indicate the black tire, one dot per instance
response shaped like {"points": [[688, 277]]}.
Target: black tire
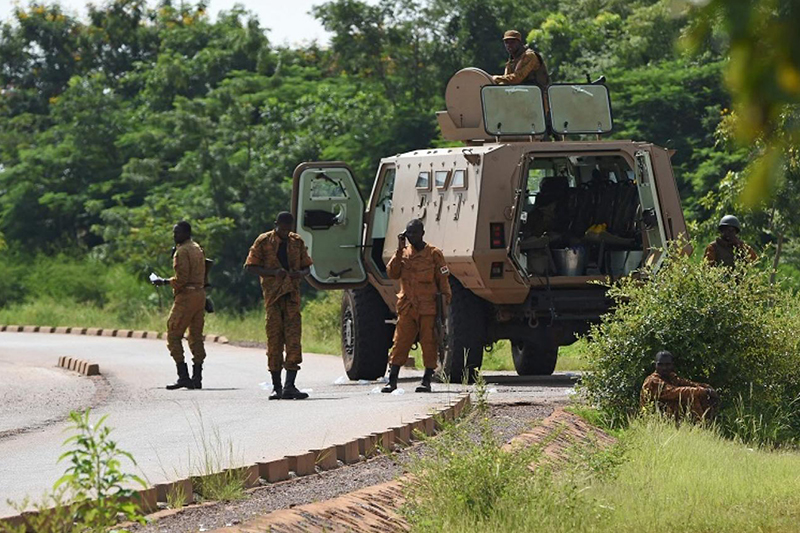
{"points": [[534, 360], [366, 337], [466, 333]]}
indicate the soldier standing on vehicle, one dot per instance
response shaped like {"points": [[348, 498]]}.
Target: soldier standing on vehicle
{"points": [[524, 66], [728, 247], [188, 287], [675, 395], [423, 275], [280, 258]]}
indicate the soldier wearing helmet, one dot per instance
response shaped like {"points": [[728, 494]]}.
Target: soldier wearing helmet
{"points": [[728, 247], [524, 66]]}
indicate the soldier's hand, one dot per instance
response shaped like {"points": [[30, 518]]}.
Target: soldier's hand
{"points": [[295, 274], [281, 274]]}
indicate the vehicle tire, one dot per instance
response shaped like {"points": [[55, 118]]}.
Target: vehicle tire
{"points": [[534, 359], [366, 337], [466, 333]]}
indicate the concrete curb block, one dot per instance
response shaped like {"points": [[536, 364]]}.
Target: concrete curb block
{"points": [[302, 464], [347, 453], [402, 435], [182, 487], [249, 474], [274, 471], [101, 332], [325, 458], [79, 365]]}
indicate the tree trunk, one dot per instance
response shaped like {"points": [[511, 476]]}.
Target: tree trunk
{"points": [[776, 259]]}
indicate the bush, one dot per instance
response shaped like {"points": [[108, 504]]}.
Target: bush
{"points": [[93, 494], [726, 327]]}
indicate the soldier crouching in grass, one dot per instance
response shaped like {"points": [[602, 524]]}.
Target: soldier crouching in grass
{"points": [[188, 309], [280, 258], [676, 396]]}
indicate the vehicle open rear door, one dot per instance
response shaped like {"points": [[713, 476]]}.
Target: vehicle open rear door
{"points": [[652, 220], [518, 218], [329, 213]]}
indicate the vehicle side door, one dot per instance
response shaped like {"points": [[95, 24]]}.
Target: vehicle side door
{"points": [[329, 213]]}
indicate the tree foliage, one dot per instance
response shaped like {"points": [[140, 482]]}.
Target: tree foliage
{"points": [[114, 127]]}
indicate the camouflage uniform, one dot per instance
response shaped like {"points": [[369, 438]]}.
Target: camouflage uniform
{"points": [[422, 274], [721, 252], [281, 298], [528, 68], [676, 395], [188, 310]]}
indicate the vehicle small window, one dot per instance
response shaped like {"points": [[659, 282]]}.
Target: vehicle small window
{"points": [[424, 180], [459, 180], [440, 177], [324, 187]]}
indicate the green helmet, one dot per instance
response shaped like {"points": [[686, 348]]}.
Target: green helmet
{"points": [[732, 221]]}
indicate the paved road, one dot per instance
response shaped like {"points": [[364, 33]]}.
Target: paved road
{"points": [[166, 430]]}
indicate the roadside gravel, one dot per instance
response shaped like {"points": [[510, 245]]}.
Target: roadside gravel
{"points": [[507, 420]]}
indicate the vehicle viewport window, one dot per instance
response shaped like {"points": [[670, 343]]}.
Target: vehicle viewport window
{"points": [[325, 187], [440, 177], [459, 180], [424, 180]]}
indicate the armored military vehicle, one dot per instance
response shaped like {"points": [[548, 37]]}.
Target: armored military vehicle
{"points": [[533, 207]]}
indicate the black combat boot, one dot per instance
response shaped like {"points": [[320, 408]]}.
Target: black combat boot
{"points": [[394, 373], [425, 386], [277, 386], [184, 382], [290, 392], [197, 375]]}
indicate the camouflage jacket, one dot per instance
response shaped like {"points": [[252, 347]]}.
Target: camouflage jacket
{"points": [[264, 253], [720, 252], [189, 263], [423, 274]]}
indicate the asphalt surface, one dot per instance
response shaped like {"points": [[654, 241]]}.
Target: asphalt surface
{"points": [[172, 433]]}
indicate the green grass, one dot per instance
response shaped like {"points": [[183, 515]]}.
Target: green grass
{"points": [[320, 320], [658, 478], [570, 358]]}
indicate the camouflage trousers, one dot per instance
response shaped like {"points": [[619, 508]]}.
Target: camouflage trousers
{"points": [[284, 331], [188, 312], [410, 326]]}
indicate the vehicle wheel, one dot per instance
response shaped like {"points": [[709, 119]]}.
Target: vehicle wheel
{"points": [[366, 337], [534, 359], [466, 333]]}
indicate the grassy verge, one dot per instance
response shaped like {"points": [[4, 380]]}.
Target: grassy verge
{"points": [[320, 319], [659, 478]]}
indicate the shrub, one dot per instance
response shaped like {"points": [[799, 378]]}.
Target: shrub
{"points": [[726, 327], [93, 494]]}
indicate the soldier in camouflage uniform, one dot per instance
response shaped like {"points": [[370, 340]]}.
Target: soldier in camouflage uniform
{"points": [[281, 260], [188, 309], [423, 274], [524, 66], [728, 248], [676, 396]]}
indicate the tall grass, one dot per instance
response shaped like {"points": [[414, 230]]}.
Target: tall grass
{"points": [[659, 478]]}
